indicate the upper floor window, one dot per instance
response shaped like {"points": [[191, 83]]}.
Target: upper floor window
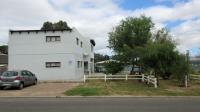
{"points": [[81, 44], [92, 48], [77, 41], [53, 38]]}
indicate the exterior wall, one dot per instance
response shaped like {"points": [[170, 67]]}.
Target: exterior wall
{"points": [[30, 51], [88, 54]]}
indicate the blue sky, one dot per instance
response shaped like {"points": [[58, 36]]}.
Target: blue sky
{"points": [[136, 4], [95, 18]]}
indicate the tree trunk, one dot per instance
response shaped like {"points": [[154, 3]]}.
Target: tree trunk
{"points": [[156, 75]]}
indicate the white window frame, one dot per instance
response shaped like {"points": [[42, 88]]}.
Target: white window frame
{"points": [[77, 41], [53, 64], [53, 38]]}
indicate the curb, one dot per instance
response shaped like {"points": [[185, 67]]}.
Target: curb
{"points": [[100, 97]]}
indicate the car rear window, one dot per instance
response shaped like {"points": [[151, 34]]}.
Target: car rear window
{"points": [[9, 74]]}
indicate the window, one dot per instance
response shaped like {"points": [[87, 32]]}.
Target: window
{"points": [[78, 64], [9, 74], [24, 73], [53, 38], [29, 73], [53, 64], [77, 41], [81, 44], [81, 64], [91, 48]]}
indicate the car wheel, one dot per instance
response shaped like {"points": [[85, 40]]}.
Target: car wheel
{"points": [[35, 82], [21, 86], [1, 88]]}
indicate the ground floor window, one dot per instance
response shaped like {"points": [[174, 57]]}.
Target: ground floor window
{"points": [[78, 64], [53, 64]]}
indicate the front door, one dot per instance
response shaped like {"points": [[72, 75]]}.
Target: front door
{"points": [[86, 71]]}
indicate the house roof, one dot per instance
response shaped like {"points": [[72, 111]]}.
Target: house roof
{"points": [[20, 31], [3, 59]]}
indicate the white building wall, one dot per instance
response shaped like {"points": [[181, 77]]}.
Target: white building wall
{"points": [[30, 51]]}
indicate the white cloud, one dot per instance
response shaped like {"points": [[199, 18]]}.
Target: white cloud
{"points": [[188, 34], [94, 18]]}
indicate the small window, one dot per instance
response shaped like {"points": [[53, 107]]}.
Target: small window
{"points": [[78, 64], [81, 44], [92, 48], [53, 38], [53, 64], [77, 41], [58, 39]]}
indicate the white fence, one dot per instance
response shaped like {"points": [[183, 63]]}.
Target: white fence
{"points": [[195, 77], [144, 78], [191, 77]]}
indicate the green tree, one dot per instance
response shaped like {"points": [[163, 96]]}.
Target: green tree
{"points": [[113, 67], [61, 25], [180, 68], [99, 57], [163, 59], [47, 26], [160, 54], [129, 39]]}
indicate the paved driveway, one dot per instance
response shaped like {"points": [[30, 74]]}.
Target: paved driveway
{"points": [[41, 89]]}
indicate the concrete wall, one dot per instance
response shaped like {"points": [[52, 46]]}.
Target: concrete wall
{"points": [[30, 51]]}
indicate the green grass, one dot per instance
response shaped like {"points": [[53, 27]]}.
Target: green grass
{"points": [[85, 91], [133, 88]]}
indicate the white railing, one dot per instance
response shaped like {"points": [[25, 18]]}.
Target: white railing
{"points": [[144, 78], [196, 77], [150, 80]]}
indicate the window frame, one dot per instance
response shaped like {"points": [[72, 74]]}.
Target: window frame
{"points": [[81, 44], [53, 38], [77, 41], [52, 64], [92, 48]]}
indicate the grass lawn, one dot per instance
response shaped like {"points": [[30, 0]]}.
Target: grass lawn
{"points": [[133, 88]]}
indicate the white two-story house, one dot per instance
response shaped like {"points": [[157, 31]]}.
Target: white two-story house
{"points": [[51, 54]]}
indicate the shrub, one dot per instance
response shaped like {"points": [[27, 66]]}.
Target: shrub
{"points": [[113, 67]]}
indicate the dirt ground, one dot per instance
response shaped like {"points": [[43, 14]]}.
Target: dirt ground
{"points": [[41, 89]]}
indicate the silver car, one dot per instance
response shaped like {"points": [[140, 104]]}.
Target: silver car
{"points": [[18, 78]]}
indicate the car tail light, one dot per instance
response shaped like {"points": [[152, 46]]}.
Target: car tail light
{"points": [[18, 78]]}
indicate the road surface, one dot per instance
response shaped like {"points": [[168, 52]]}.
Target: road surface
{"points": [[100, 104]]}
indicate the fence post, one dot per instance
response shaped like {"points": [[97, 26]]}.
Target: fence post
{"points": [[126, 77], [142, 77], [186, 81], [148, 79], [84, 78], [155, 83], [105, 78]]}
